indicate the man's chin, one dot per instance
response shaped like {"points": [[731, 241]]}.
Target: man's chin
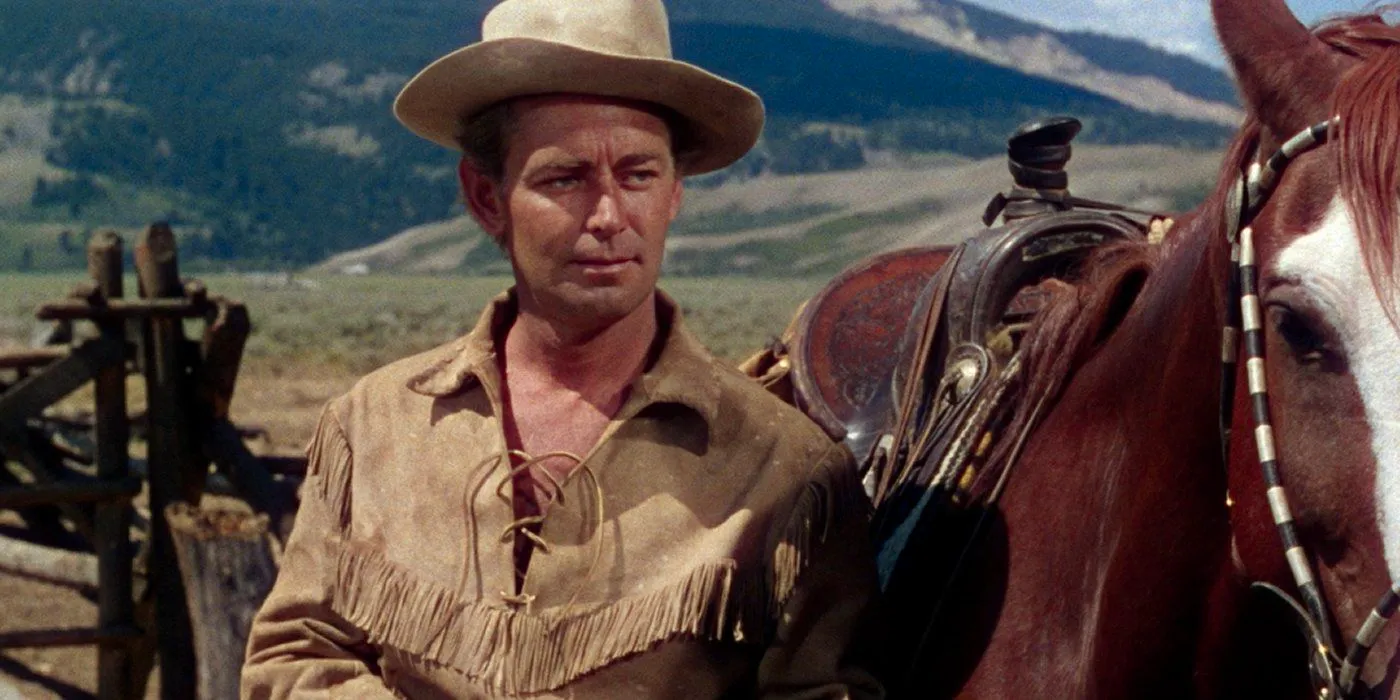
{"points": [[599, 306]]}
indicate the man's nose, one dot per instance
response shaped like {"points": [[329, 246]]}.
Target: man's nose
{"points": [[606, 218]]}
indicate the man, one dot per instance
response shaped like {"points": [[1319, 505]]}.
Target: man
{"points": [[574, 500]]}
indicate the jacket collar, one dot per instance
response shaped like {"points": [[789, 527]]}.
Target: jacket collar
{"points": [[684, 372]]}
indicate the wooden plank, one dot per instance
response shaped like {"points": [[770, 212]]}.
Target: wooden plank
{"points": [[174, 476], [116, 310], [222, 353], [33, 452], [228, 569], [104, 259], [157, 264], [31, 358], [86, 491], [32, 395], [44, 523], [67, 637], [56, 566], [63, 451], [79, 422], [250, 476], [111, 438]]}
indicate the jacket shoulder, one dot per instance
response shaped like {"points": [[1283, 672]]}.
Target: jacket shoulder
{"points": [[747, 411], [391, 386]]}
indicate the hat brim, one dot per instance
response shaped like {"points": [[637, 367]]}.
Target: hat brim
{"points": [[724, 118]]}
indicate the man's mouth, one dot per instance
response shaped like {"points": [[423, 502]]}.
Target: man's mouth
{"points": [[605, 265]]}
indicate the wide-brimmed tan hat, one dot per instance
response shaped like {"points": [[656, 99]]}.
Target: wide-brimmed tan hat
{"points": [[612, 48]]}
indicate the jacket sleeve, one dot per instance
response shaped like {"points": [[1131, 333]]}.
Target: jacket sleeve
{"points": [[824, 579], [298, 646]]}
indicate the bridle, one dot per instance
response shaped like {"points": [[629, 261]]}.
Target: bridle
{"points": [[1332, 677]]}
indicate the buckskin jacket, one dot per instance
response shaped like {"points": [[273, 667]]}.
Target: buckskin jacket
{"points": [[713, 545]]}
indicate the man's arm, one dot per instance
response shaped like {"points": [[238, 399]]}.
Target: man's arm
{"points": [[298, 646], [827, 545]]}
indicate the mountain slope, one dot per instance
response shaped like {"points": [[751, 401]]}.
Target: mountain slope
{"points": [[803, 225], [262, 127], [1126, 71]]}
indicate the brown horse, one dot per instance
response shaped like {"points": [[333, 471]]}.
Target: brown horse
{"points": [[1119, 559]]}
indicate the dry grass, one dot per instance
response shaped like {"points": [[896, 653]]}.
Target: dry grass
{"points": [[313, 336]]}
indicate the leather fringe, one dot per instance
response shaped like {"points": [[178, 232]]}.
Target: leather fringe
{"points": [[519, 653], [515, 652], [835, 495], [328, 468]]}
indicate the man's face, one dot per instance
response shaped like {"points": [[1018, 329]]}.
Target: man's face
{"points": [[588, 191]]}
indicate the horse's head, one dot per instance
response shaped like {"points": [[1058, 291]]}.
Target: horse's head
{"points": [[1326, 246]]}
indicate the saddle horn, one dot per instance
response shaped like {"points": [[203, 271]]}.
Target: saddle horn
{"points": [[1036, 155]]}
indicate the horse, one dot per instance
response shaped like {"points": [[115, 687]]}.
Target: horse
{"points": [[1154, 508]]}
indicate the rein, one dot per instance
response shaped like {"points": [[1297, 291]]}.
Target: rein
{"points": [[1332, 677]]}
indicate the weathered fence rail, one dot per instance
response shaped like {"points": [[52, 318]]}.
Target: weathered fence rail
{"points": [[64, 473], [77, 570]]}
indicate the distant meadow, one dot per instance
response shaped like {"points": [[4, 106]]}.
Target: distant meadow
{"points": [[353, 324]]}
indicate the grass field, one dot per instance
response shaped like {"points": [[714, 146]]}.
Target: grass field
{"points": [[358, 323], [314, 335]]}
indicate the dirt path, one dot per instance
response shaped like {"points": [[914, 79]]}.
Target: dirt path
{"points": [[64, 672]]}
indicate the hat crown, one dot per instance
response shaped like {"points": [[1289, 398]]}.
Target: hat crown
{"points": [[621, 27], [617, 49]]}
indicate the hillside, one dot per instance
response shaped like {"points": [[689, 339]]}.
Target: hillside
{"points": [[815, 224], [1124, 70], [261, 128]]}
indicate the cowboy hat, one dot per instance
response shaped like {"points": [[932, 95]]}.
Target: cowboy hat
{"points": [[612, 48]]}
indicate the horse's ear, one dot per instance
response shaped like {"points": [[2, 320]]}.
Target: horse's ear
{"points": [[1285, 74]]}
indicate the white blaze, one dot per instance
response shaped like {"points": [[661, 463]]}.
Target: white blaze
{"points": [[1328, 263]]}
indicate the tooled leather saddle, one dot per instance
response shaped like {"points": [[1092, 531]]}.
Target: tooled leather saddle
{"points": [[911, 358], [908, 357]]}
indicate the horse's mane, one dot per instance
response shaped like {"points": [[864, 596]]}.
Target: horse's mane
{"points": [[1079, 317], [1368, 153]]}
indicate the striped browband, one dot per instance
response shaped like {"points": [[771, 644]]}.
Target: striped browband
{"points": [[1333, 678]]}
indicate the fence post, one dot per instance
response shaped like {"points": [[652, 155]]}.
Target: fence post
{"points": [[171, 475], [112, 521], [228, 569]]}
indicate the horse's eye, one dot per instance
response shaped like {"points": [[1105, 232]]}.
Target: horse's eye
{"points": [[1308, 338]]}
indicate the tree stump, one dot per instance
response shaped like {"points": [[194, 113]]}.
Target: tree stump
{"points": [[227, 566]]}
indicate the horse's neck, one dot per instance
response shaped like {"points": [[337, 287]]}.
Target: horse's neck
{"points": [[1116, 512]]}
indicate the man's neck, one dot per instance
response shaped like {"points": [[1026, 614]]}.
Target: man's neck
{"points": [[594, 363]]}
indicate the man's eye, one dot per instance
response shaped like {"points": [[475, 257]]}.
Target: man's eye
{"points": [[641, 177], [562, 182]]}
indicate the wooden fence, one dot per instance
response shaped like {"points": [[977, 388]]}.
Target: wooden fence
{"points": [[67, 474]]}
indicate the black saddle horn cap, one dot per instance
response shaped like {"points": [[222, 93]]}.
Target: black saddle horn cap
{"points": [[1037, 154], [1054, 131]]}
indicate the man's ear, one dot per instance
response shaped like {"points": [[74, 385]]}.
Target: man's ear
{"points": [[484, 198]]}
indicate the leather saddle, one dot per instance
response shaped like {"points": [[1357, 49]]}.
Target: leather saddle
{"points": [[912, 359], [900, 355]]}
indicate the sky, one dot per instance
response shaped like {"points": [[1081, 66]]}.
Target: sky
{"points": [[1182, 26]]}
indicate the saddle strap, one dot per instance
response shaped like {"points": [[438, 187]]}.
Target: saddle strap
{"points": [[882, 458]]}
